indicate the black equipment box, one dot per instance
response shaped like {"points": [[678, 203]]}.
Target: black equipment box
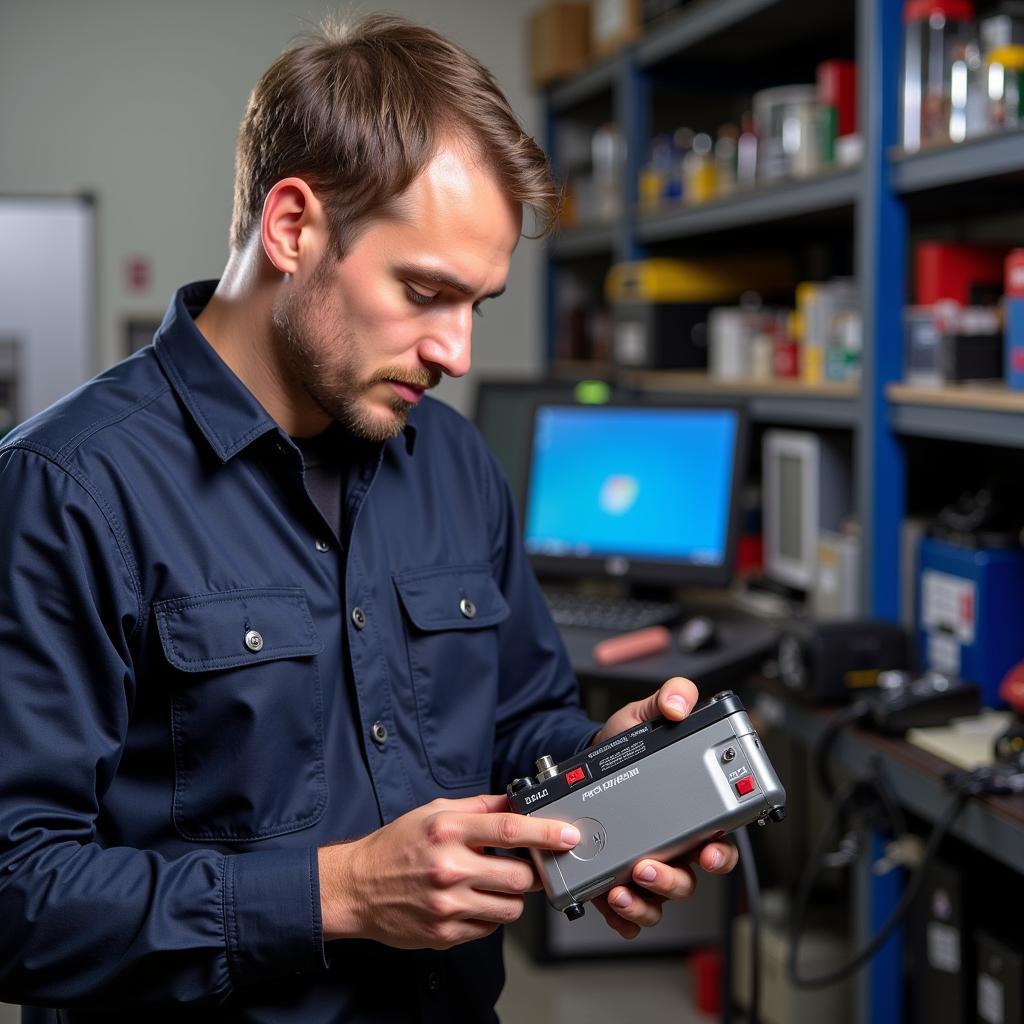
{"points": [[661, 335], [943, 975], [1000, 981], [828, 662]]}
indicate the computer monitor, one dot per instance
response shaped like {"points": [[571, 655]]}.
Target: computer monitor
{"points": [[504, 415], [805, 490], [643, 491]]}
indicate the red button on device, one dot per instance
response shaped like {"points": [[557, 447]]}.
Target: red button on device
{"points": [[576, 775], [746, 785]]}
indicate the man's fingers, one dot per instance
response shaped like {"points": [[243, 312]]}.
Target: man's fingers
{"points": [[485, 803], [641, 910], [676, 698], [718, 858], [625, 928], [503, 830], [672, 882]]}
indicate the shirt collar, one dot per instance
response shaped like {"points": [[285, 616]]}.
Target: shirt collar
{"points": [[225, 410]]}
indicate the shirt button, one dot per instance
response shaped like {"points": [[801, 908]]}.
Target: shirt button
{"points": [[322, 545], [379, 732], [253, 640], [467, 608], [433, 981], [358, 617]]}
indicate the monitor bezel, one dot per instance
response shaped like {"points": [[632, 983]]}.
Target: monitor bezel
{"points": [[643, 572]]}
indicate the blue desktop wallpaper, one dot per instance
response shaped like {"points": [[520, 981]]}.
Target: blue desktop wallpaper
{"points": [[643, 483]]}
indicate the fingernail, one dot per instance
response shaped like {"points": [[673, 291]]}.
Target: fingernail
{"points": [[648, 874], [570, 835], [679, 704], [716, 859], [622, 899]]}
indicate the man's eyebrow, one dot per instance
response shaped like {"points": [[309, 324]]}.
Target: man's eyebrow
{"points": [[439, 277]]}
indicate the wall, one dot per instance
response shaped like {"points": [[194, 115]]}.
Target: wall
{"points": [[139, 103]]}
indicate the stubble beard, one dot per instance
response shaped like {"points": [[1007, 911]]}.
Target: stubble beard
{"points": [[334, 385]]}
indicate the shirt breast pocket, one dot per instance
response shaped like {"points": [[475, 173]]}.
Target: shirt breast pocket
{"points": [[246, 713], [451, 615]]}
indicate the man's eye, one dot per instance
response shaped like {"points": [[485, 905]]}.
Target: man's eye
{"points": [[419, 298]]}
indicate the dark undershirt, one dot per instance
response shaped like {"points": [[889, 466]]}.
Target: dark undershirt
{"points": [[326, 459]]}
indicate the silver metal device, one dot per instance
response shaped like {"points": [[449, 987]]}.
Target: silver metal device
{"points": [[656, 790]]}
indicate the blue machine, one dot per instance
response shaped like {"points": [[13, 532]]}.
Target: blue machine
{"points": [[970, 612]]}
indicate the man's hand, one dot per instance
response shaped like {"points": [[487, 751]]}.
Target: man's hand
{"points": [[424, 880], [629, 908]]}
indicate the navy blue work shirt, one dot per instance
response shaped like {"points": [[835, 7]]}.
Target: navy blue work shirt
{"points": [[201, 684]]}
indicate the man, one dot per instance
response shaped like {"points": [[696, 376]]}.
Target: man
{"points": [[267, 630]]}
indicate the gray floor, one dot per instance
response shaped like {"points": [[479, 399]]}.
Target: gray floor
{"points": [[651, 990]]}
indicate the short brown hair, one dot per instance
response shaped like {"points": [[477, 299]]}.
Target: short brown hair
{"points": [[357, 111]]}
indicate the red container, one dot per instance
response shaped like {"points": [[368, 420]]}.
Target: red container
{"points": [[707, 980], [971, 275], [837, 87], [1014, 284]]}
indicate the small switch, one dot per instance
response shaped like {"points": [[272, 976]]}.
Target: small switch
{"points": [[574, 776], [746, 785]]}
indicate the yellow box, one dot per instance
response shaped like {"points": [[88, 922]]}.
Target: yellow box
{"points": [[710, 280], [559, 41]]}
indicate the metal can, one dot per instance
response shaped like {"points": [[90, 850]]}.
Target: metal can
{"points": [[934, 32]]}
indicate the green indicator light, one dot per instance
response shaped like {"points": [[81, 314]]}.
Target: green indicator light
{"points": [[592, 392]]}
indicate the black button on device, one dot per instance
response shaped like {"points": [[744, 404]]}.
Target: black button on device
{"points": [[379, 732], [358, 617], [518, 785]]}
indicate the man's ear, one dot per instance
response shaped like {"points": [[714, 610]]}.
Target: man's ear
{"points": [[292, 216]]}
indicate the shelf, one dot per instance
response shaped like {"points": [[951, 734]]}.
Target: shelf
{"points": [[586, 85], [587, 240], [697, 22], [994, 825], [830, 191], [744, 34], [776, 401], [960, 163], [982, 415]]}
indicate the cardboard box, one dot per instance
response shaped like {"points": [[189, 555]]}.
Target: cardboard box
{"points": [[613, 24], [559, 41]]}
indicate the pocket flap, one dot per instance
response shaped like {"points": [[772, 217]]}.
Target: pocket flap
{"points": [[236, 627], [452, 597]]}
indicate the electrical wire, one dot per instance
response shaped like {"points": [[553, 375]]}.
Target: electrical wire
{"points": [[822, 749], [862, 794], [949, 814], [753, 888]]}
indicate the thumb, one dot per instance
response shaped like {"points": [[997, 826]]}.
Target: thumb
{"points": [[675, 700]]}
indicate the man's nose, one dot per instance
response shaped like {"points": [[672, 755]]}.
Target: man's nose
{"points": [[449, 344]]}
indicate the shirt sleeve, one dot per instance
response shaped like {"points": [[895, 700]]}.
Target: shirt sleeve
{"points": [[85, 923], [538, 701]]}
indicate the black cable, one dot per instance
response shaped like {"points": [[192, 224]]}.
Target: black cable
{"points": [[823, 746], [939, 830], [753, 888]]}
